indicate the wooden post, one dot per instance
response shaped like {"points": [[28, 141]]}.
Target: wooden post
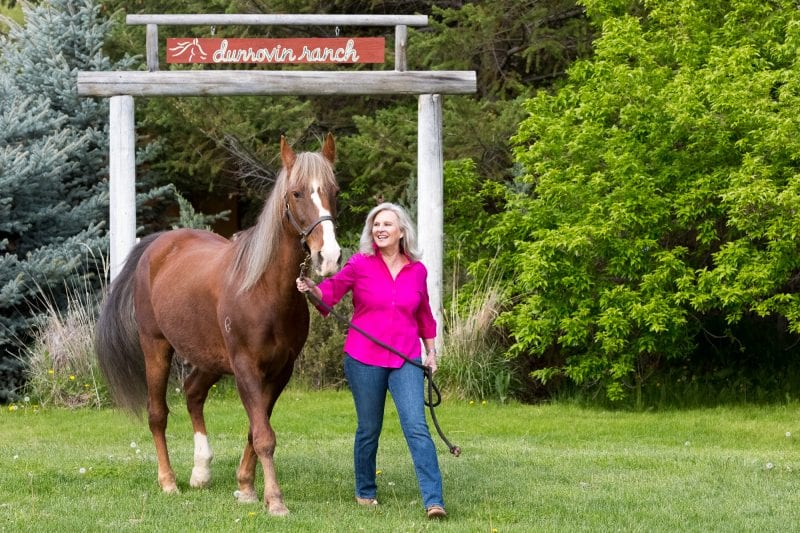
{"points": [[400, 44], [430, 199], [151, 47], [122, 181]]}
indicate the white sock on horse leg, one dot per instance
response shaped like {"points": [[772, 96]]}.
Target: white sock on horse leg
{"points": [[201, 473]]}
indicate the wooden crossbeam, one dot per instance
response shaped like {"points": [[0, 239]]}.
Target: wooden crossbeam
{"points": [[277, 20], [261, 82]]}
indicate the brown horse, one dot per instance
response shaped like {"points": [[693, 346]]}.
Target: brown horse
{"points": [[226, 307]]}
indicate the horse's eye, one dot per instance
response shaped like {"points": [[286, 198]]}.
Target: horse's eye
{"points": [[297, 194]]}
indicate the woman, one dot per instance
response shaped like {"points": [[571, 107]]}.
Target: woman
{"points": [[390, 300]]}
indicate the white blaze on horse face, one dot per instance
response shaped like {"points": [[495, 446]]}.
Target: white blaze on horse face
{"points": [[330, 250], [201, 472]]}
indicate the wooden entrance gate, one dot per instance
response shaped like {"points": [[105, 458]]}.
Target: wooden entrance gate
{"points": [[122, 86]]}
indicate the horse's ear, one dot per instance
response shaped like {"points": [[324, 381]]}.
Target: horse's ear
{"points": [[287, 154], [329, 149]]}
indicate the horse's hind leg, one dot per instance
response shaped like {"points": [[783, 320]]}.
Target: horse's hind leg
{"points": [[197, 385], [158, 359]]}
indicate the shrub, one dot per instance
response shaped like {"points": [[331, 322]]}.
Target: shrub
{"points": [[320, 363], [659, 196], [61, 365]]}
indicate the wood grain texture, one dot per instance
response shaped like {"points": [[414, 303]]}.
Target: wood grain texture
{"points": [[249, 83]]}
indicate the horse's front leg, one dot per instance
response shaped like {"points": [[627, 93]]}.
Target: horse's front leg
{"points": [[264, 446], [257, 398]]}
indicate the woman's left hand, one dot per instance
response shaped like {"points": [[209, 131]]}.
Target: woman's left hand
{"points": [[430, 361]]}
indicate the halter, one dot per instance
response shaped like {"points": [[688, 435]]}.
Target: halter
{"points": [[304, 233]]}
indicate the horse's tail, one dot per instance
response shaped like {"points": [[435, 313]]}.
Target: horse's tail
{"points": [[116, 338]]}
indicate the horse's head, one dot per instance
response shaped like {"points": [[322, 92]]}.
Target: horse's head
{"points": [[311, 202]]}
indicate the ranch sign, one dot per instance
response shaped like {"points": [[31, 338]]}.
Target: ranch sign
{"points": [[307, 50]]}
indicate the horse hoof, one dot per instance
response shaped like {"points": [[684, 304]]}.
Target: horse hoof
{"points": [[278, 509], [170, 489], [200, 479], [199, 484], [245, 496]]}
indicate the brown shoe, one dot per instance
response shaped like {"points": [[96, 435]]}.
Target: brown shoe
{"points": [[368, 502], [436, 511]]}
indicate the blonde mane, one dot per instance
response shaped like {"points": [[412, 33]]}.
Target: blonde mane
{"points": [[255, 249]]}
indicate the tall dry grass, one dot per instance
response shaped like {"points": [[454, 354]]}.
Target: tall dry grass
{"points": [[62, 367], [473, 364]]}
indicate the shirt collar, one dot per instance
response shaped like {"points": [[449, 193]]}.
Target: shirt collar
{"points": [[376, 252]]}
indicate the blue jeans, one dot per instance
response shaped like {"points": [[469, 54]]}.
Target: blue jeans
{"points": [[369, 385]]}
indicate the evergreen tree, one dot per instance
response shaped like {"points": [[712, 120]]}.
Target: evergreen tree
{"points": [[53, 168]]}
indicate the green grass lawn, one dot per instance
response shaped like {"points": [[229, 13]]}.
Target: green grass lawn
{"points": [[523, 468]]}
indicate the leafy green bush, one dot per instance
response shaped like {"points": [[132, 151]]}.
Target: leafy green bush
{"points": [[319, 365], [660, 193]]}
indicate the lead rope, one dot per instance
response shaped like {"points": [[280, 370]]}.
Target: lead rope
{"points": [[432, 388]]}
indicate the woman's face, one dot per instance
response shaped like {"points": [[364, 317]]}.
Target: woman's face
{"points": [[386, 231]]}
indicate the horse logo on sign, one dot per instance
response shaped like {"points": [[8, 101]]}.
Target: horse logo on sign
{"points": [[187, 50]]}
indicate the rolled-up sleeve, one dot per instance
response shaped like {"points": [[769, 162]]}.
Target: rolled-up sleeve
{"points": [[426, 324], [335, 287]]}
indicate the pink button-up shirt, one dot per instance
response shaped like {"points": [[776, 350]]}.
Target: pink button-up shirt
{"points": [[394, 311]]}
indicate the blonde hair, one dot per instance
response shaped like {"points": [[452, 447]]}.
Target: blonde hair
{"points": [[255, 248], [408, 243]]}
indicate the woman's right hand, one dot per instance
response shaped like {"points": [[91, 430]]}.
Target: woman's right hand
{"points": [[304, 284]]}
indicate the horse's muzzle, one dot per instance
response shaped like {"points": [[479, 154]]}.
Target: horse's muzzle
{"points": [[327, 260]]}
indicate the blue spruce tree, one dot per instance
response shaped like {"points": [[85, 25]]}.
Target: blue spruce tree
{"points": [[53, 168]]}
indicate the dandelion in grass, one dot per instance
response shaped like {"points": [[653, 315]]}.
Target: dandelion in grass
{"points": [[687, 443], [483, 402], [16, 457], [133, 444], [378, 472], [472, 402], [770, 466], [12, 408], [72, 377], [788, 434], [50, 372], [81, 470], [27, 399]]}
